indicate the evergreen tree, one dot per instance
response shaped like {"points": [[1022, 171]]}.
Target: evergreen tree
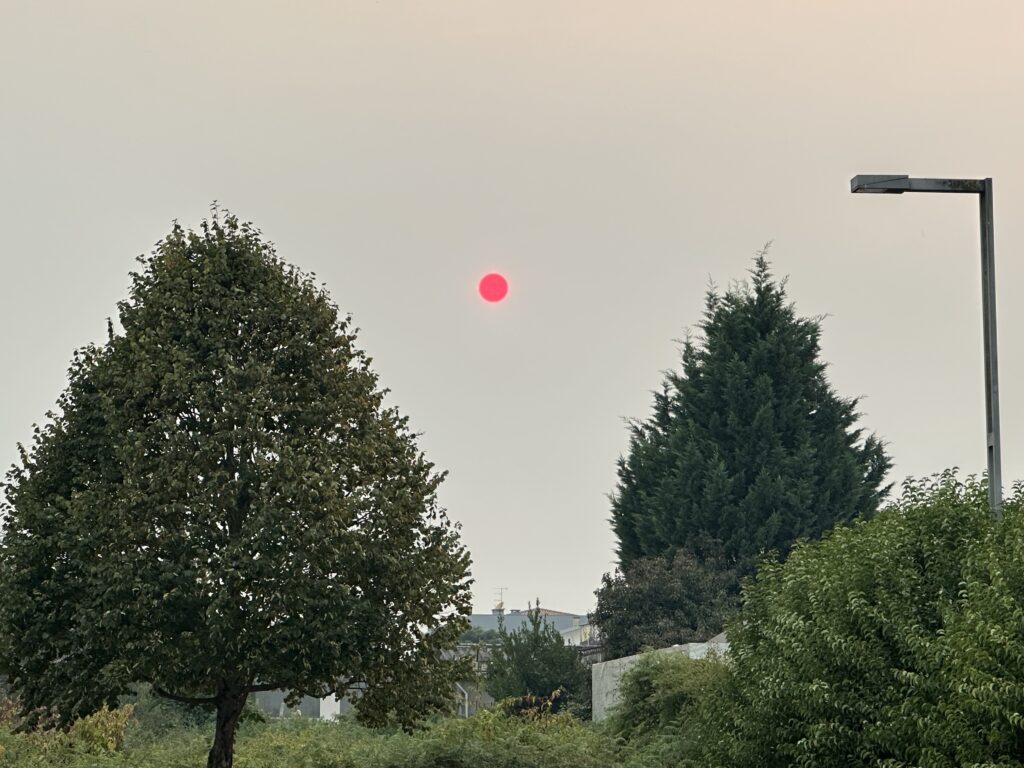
{"points": [[748, 448], [534, 660], [222, 504]]}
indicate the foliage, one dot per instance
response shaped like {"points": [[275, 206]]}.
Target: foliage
{"points": [[536, 706], [748, 448], [480, 635], [662, 692], [838, 654], [893, 643], [154, 716], [487, 740], [222, 503], [977, 715], [101, 733], [656, 603], [535, 660]]}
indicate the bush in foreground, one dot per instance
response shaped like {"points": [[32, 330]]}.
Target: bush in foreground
{"points": [[487, 740], [878, 645], [667, 702], [894, 643]]}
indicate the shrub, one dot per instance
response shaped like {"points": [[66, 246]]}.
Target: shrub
{"points": [[486, 740], [103, 731], [535, 706], [656, 602], [662, 690], [975, 714], [837, 653]]}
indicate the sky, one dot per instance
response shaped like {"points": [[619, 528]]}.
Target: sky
{"points": [[609, 158]]}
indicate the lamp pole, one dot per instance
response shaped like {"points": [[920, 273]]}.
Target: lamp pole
{"points": [[897, 185]]}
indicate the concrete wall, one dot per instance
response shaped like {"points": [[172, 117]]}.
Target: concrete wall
{"points": [[606, 676], [272, 703]]}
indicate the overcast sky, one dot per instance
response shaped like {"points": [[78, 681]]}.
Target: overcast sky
{"points": [[608, 157]]}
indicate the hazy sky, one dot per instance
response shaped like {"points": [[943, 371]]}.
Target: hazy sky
{"points": [[609, 157]]}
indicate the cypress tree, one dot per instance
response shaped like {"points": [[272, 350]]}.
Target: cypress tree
{"points": [[749, 447]]}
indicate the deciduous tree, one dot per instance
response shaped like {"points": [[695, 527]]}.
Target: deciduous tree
{"points": [[655, 603], [222, 503]]}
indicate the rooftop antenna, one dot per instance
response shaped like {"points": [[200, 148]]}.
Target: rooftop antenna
{"points": [[500, 592]]}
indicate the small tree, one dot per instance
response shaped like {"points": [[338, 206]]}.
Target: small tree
{"points": [[656, 603], [534, 660], [222, 504]]}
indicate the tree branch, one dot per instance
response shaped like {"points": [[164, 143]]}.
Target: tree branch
{"points": [[264, 687], [323, 695], [184, 699]]}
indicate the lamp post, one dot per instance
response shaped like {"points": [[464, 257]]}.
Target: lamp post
{"points": [[897, 185]]}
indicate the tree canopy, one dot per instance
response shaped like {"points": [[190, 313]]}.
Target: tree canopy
{"points": [[748, 448], [222, 503]]}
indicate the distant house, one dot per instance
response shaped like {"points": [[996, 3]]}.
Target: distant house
{"points": [[581, 634]]}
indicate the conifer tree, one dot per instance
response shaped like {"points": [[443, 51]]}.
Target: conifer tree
{"points": [[748, 448], [535, 660]]}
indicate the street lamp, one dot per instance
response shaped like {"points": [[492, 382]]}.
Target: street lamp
{"points": [[897, 185]]}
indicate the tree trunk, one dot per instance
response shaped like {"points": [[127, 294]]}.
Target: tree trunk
{"points": [[230, 702]]}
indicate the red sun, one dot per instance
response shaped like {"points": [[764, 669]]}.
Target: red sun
{"points": [[493, 287]]}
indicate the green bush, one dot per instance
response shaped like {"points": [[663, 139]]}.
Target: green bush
{"points": [[669, 705], [662, 691], [155, 716], [656, 602], [98, 735], [977, 715], [839, 654]]}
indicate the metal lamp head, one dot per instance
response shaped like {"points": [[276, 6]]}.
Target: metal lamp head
{"points": [[881, 185]]}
